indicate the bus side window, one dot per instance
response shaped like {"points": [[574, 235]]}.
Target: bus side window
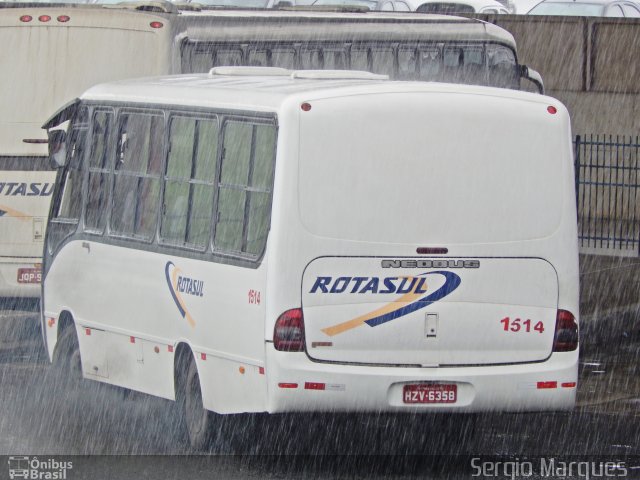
{"points": [[360, 58], [189, 181], [407, 63], [465, 64], [318, 57], [99, 171], [383, 61], [258, 57], [67, 205], [335, 58], [246, 178], [283, 57], [200, 59], [237, 144], [430, 63], [453, 64], [227, 57], [136, 186], [474, 68], [71, 203], [311, 58], [259, 209], [502, 67]]}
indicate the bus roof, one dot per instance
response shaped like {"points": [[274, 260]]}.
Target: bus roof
{"points": [[257, 26], [246, 88], [313, 13], [197, 21], [297, 22]]}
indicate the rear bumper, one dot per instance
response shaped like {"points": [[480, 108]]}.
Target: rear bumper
{"points": [[380, 389]]}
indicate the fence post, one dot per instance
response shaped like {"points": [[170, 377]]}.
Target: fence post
{"points": [[576, 171]]}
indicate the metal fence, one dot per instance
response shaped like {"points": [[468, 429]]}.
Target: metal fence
{"points": [[608, 193]]}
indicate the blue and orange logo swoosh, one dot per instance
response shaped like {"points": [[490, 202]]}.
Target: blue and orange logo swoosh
{"points": [[172, 272], [411, 302], [10, 212]]}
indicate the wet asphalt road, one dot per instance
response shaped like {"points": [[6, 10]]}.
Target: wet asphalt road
{"points": [[40, 417]]}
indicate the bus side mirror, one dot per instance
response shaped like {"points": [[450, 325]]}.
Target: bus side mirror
{"points": [[57, 148], [533, 76]]}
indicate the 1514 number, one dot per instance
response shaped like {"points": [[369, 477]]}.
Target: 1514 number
{"points": [[254, 297], [517, 325]]}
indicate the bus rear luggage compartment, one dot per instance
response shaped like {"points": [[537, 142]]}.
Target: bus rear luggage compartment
{"points": [[364, 310]]}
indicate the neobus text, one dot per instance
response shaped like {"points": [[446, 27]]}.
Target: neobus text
{"points": [[430, 263]]}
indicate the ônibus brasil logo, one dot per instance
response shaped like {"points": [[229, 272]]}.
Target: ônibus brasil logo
{"points": [[179, 284], [414, 290]]}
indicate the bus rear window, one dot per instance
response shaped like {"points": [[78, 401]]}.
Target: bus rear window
{"points": [[439, 168]]}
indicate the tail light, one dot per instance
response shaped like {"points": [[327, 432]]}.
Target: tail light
{"points": [[288, 334], [566, 336]]}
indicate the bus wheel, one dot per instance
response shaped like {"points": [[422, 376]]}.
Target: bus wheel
{"points": [[66, 356], [200, 423]]}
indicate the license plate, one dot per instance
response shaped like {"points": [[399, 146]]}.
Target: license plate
{"points": [[430, 393], [29, 275]]}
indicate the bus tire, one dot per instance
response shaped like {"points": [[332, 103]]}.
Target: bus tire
{"points": [[66, 355], [200, 423]]}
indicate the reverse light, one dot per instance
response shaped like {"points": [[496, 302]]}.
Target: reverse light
{"points": [[314, 386], [566, 336], [288, 334]]}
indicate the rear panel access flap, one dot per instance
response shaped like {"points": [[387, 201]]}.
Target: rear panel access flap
{"points": [[429, 311]]}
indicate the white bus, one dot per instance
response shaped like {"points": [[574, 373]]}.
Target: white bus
{"points": [[54, 52], [266, 240]]}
